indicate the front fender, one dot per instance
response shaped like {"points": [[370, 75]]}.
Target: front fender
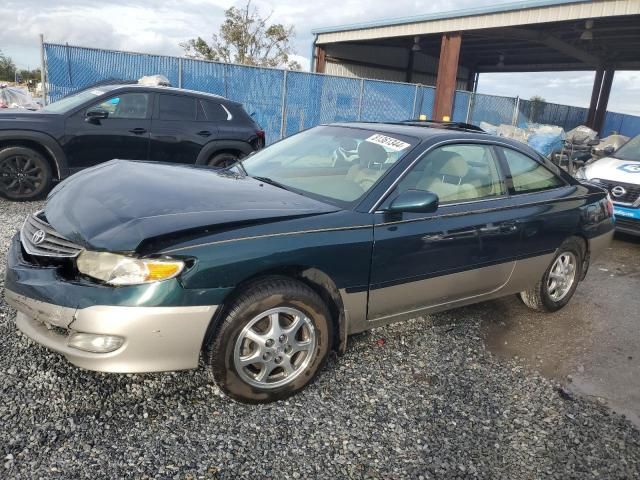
{"points": [[49, 143]]}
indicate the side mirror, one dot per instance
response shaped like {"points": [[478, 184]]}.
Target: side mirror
{"points": [[419, 201], [609, 149], [95, 115]]}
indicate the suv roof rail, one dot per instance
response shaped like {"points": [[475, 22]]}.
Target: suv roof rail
{"points": [[438, 124]]}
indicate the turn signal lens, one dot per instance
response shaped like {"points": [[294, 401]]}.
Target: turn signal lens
{"points": [[118, 269]]}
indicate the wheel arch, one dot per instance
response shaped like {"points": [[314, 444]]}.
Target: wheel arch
{"points": [[319, 281], [219, 146], [43, 144]]}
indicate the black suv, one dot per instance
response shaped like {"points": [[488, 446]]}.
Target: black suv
{"points": [[115, 121]]}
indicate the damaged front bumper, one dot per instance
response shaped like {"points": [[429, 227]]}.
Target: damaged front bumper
{"points": [[124, 330]]}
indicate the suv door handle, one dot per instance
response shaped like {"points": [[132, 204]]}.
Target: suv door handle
{"points": [[138, 131], [204, 133]]}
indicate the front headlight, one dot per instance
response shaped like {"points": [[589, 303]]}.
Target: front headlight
{"points": [[116, 269]]}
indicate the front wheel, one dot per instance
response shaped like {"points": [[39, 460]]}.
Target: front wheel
{"points": [[559, 282], [24, 174], [223, 160], [272, 342]]}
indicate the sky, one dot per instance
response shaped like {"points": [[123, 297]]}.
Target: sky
{"points": [[159, 26]]}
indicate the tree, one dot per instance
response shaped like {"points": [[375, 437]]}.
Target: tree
{"points": [[7, 68], [537, 107], [247, 38]]}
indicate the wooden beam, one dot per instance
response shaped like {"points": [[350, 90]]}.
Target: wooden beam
{"points": [[321, 60], [447, 75]]}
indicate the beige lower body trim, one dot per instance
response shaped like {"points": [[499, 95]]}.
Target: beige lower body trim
{"points": [[156, 338], [599, 244], [523, 274]]}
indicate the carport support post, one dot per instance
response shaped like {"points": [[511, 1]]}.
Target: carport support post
{"points": [[595, 95], [603, 101], [42, 72], [447, 75]]}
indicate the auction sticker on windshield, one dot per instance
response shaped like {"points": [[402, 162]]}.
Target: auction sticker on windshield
{"points": [[389, 142]]}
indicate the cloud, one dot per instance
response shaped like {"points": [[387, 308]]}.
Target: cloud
{"points": [[159, 26]]}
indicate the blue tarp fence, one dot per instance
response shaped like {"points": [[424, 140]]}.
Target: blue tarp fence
{"points": [[285, 102]]}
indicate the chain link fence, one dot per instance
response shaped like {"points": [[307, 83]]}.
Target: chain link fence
{"points": [[286, 102]]}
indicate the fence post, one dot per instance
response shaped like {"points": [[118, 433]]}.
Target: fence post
{"points": [[516, 111], [43, 76], [472, 97], [360, 99], [284, 104], [180, 72], [415, 102]]}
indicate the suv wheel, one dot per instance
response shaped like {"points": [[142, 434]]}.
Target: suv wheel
{"points": [[24, 173], [271, 343], [223, 160], [559, 282]]}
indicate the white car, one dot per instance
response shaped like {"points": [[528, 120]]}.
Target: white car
{"points": [[619, 173]]}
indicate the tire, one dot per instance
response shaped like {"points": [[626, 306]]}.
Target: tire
{"points": [[547, 296], [223, 160], [251, 315], [24, 174]]}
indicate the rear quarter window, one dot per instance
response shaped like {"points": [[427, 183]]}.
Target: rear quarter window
{"points": [[528, 175], [213, 111]]}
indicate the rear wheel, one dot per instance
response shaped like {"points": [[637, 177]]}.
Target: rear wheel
{"points": [[272, 341], [223, 160], [559, 282], [24, 173]]}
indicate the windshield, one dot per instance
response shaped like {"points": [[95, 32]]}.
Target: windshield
{"points": [[630, 150], [69, 103], [339, 164]]}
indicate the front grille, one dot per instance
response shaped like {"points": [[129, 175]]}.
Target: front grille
{"points": [[627, 224], [39, 239], [632, 192]]}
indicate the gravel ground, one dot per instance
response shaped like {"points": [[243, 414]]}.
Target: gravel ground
{"points": [[423, 399]]}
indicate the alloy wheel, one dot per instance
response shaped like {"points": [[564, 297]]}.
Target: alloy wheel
{"points": [[275, 347], [20, 175], [562, 276]]}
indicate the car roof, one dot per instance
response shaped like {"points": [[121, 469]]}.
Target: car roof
{"points": [[162, 89], [431, 132]]}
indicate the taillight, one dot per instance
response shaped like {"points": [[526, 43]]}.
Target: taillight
{"points": [[609, 206], [261, 138]]}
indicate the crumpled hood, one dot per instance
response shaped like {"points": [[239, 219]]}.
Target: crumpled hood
{"points": [[117, 205], [609, 168]]}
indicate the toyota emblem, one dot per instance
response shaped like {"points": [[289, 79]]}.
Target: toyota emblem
{"points": [[38, 237], [618, 191]]}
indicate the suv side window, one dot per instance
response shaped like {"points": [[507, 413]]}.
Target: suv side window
{"points": [[527, 174], [457, 173], [127, 105], [214, 111], [176, 107]]}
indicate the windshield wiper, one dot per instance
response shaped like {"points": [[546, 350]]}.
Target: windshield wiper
{"points": [[270, 181]]}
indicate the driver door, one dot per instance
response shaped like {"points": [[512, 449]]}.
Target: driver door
{"points": [[123, 134], [465, 249]]}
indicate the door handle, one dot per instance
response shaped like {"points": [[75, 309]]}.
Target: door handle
{"points": [[509, 227], [204, 133], [138, 131]]}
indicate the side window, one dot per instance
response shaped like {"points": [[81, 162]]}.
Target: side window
{"points": [[457, 173], [127, 105], [214, 111], [528, 175], [176, 107]]}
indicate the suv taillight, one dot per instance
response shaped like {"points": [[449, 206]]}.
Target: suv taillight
{"points": [[261, 138]]}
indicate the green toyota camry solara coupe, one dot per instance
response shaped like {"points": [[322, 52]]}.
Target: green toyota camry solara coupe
{"points": [[263, 268]]}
